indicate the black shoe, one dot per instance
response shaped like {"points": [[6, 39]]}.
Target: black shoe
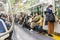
{"points": [[50, 35]]}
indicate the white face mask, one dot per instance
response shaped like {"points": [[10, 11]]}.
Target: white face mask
{"points": [[5, 18], [50, 8]]}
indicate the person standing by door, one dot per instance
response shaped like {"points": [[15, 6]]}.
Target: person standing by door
{"points": [[50, 19]]}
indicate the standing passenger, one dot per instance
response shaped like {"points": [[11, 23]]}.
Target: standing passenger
{"points": [[50, 19]]}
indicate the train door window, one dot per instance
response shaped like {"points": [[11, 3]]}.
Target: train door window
{"points": [[40, 10], [31, 11], [35, 9], [59, 13], [57, 5]]}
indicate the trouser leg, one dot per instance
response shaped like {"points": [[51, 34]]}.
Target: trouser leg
{"points": [[50, 27]]}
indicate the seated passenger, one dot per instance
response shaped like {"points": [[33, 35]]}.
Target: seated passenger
{"points": [[37, 24], [35, 20], [3, 17], [26, 23], [40, 22], [21, 19]]}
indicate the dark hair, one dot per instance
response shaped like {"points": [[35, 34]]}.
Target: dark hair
{"points": [[35, 12], [50, 6], [3, 15]]}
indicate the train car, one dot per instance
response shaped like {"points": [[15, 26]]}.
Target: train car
{"points": [[40, 8]]}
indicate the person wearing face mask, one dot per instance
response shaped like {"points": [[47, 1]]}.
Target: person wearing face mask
{"points": [[3, 17], [50, 20]]}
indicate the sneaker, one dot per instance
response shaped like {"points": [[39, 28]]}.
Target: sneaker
{"points": [[31, 30]]}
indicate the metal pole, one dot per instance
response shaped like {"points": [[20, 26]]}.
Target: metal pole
{"points": [[11, 11], [53, 1]]}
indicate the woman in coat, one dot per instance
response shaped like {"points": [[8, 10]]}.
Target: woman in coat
{"points": [[50, 15]]}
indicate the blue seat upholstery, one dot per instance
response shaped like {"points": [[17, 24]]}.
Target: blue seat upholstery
{"points": [[2, 29]]}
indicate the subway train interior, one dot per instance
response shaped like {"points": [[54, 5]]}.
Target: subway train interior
{"points": [[29, 19]]}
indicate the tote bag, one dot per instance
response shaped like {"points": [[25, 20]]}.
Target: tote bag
{"points": [[51, 18]]}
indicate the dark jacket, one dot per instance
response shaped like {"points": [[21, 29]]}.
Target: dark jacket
{"points": [[49, 15], [49, 11], [2, 29]]}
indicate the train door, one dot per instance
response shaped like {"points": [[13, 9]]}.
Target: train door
{"points": [[57, 23]]}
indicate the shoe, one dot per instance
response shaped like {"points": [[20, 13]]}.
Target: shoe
{"points": [[31, 30], [50, 35]]}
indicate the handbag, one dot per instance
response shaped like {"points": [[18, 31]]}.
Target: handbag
{"points": [[51, 18]]}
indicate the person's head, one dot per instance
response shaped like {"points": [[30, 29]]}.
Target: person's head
{"points": [[36, 14], [50, 6], [3, 15]]}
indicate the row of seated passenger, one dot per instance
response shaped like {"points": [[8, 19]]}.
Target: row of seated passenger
{"points": [[34, 23]]}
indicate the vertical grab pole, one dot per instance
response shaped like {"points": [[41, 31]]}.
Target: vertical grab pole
{"points": [[53, 1], [11, 11]]}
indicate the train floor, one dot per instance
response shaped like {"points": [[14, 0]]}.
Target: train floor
{"points": [[21, 33]]}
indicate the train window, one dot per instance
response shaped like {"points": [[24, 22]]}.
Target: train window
{"points": [[59, 13], [40, 9], [57, 5], [31, 11], [35, 9]]}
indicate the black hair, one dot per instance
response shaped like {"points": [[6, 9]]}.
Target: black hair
{"points": [[3, 15], [36, 12], [50, 6]]}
